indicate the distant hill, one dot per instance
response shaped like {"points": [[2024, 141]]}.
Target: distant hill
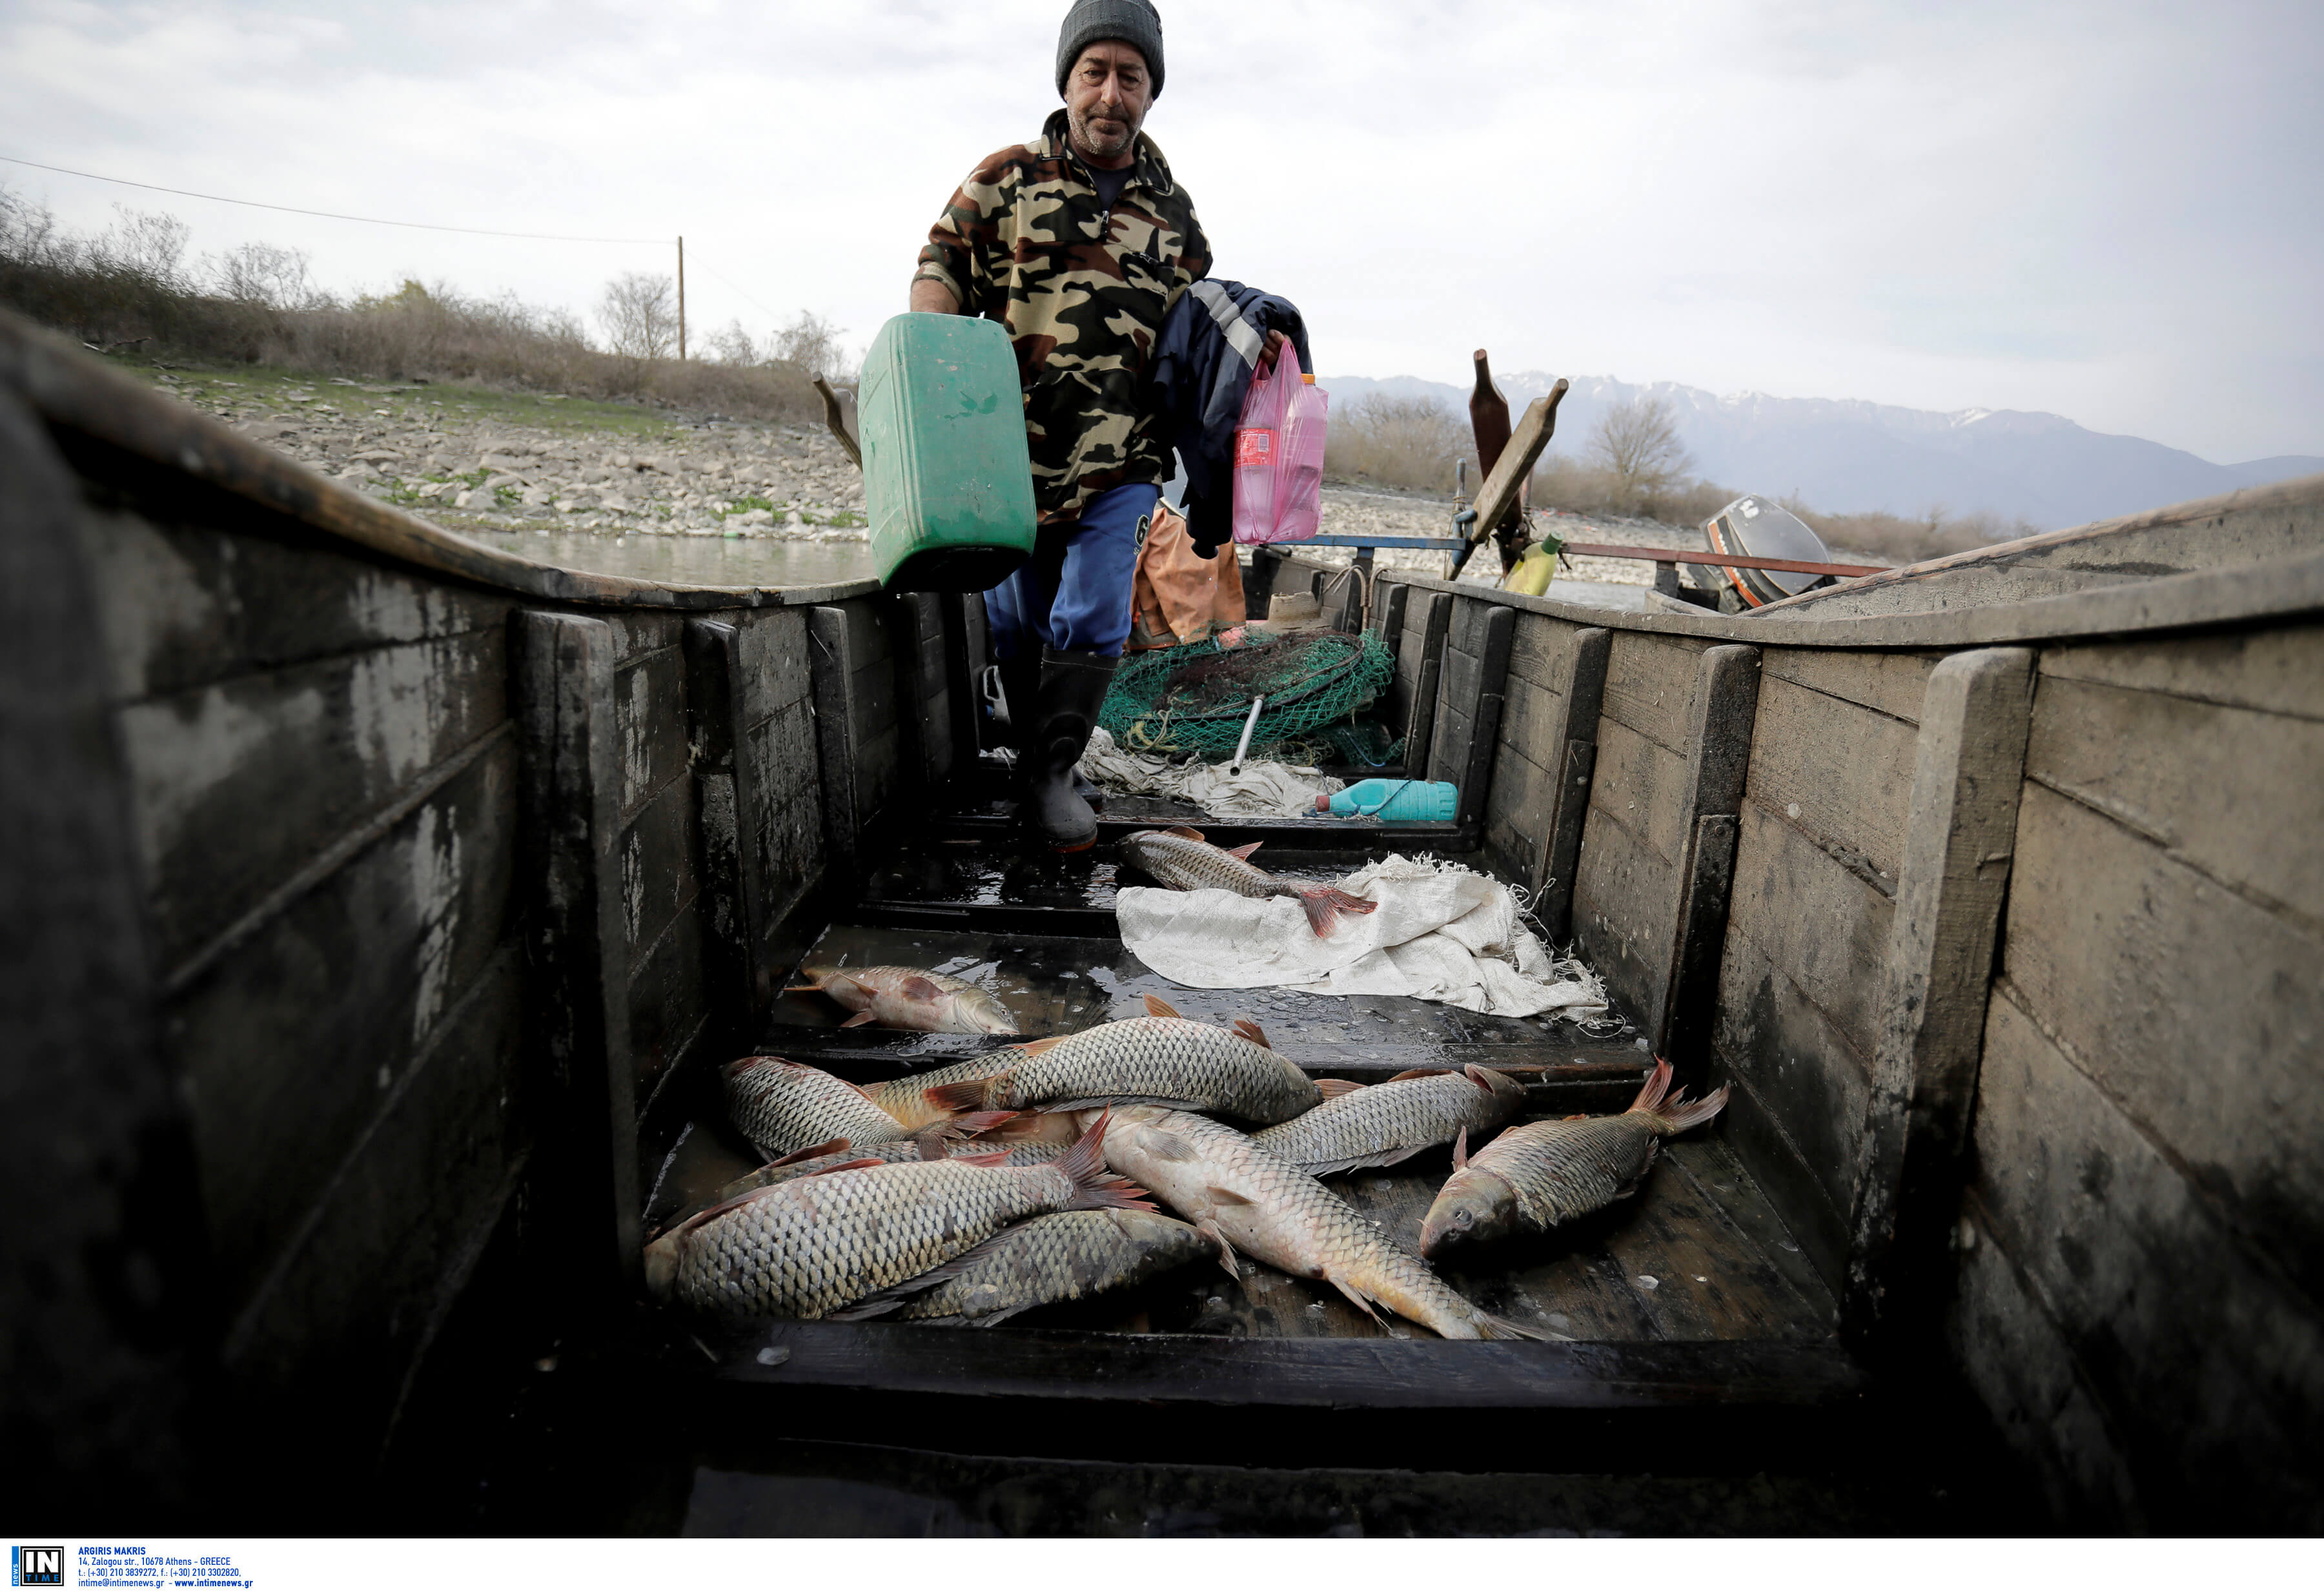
{"points": [[1847, 456]]}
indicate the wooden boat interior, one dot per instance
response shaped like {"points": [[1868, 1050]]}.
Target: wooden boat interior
{"points": [[387, 904]]}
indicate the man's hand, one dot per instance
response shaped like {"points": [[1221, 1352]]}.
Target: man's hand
{"points": [[1275, 342], [930, 296]]}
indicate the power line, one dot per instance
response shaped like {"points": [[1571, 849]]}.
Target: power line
{"points": [[539, 237], [730, 282]]}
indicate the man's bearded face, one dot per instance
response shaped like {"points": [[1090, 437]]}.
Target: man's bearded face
{"points": [[1107, 95]]}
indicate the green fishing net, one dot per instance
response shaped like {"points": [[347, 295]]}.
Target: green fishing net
{"points": [[1177, 700]]}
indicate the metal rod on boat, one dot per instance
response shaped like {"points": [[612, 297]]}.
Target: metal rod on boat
{"points": [[1249, 725]]}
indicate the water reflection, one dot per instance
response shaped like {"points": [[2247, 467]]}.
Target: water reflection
{"points": [[686, 560]]}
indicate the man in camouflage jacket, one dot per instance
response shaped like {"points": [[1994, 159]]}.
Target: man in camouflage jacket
{"points": [[1079, 243]]}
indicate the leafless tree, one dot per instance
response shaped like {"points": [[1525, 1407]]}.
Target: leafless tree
{"points": [[639, 314], [812, 344], [264, 275], [1636, 443]]}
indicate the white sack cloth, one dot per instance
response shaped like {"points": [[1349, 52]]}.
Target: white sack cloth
{"points": [[1440, 932], [1262, 790]]}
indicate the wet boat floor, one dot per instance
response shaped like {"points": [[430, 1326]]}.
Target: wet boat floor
{"points": [[1699, 1255]]}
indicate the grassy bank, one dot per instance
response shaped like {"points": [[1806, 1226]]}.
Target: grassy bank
{"points": [[132, 290]]}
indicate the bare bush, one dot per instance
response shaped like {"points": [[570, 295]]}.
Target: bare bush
{"points": [[812, 344], [262, 275], [1408, 442], [638, 312], [1636, 443], [734, 345]]}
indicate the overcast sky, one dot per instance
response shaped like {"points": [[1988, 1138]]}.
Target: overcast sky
{"points": [[2112, 211]]}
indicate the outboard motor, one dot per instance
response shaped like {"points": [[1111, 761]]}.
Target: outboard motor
{"points": [[1755, 528]]}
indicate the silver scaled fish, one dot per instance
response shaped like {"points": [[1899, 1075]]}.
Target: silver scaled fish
{"points": [[1182, 859], [926, 1146], [909, 998], [805, 1249], [1394, 1121], [1067, 1254], [1539, 1174], [1245, 1199], [782, 1107], [1160, 1060]]}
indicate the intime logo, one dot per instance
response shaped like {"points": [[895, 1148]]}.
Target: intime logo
{"points": [[36, 1567]]}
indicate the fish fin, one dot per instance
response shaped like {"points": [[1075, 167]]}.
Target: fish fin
{"points": [[1492, 1326], [1226, 1196], [1358, 1163], [994, 1318], [1332, 1089], [1217, 1235], [1420, 1073], [1361, 1301], [1460, 1150], [916, 987], [802, 988], [1155, 1006], [1680, 1113], [1170, 1146], [995, 1158], [1577, 1116], [1244, 852], [1322, 905], [931, 1142], [1095, 1188], [1189, 831], [1657, 1084], [830, 1147], [858, 1020], [969, 1096], [896, 1293], [976, 1122], [1480, 1078], [843, 1166], [1249, 1028], [1033, 1047]]}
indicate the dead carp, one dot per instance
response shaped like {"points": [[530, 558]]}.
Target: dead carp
{"points": [[906, 1099], [926, 1147], [1161, 1059], [804, 1249], [1066, 1254], [1182, 859], [909, 998], [1244, 1198], [1541, 1173], [782, 1107], [1389, 1122]]}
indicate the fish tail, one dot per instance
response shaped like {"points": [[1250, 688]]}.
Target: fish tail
{"points": [[1322, 905], [970, 1095], [1095, 1189], [1680, 1113], [1657, 1085]]}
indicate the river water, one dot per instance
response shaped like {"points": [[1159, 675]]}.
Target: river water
{"points": [[688, 560]]}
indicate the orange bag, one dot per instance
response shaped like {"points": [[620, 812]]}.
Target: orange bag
{"points": [[1179, 596]]}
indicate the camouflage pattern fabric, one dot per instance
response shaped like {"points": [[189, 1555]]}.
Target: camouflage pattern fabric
{"points": [[1083, 290]]}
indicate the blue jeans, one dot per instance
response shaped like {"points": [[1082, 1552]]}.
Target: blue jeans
{"points": [[1074, 593]]}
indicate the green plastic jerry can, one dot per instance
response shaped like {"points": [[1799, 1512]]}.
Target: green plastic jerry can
{"points": [[947, 482]]}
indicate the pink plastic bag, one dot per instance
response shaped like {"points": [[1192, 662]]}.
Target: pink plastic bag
{"points": [[1278, 472]]}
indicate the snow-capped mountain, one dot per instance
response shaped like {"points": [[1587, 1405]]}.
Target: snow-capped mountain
{"points": [[1845, 455]]}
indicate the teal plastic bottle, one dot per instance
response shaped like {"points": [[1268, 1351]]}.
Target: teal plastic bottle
{"points": [[947, 482], [1395, 801]]}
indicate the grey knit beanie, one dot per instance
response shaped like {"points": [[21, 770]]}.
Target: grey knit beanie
{"points": [[1133, 21]]}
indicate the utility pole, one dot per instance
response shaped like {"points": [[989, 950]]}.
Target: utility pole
{"points": [[681, 299]]}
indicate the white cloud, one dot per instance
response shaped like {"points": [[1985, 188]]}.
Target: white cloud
{"points": [[2109, 211]]}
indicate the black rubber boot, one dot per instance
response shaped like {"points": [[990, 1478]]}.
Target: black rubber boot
{"points": [[1073, 689], [1020, 683]]}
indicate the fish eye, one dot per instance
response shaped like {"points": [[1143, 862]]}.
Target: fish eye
{"points": [[1465, 1216]]}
